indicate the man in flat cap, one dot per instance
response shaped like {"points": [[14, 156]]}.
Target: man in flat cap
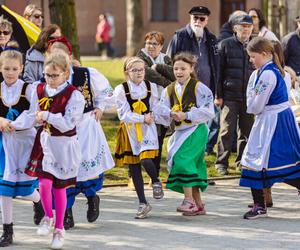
{"points": [[235, 70], [199, 41], [291, 46]]}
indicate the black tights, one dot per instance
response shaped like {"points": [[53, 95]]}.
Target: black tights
{"points": [[137, 177], [258, 194]]}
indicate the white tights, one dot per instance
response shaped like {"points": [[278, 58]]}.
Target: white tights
{"points": [[7, 205]]}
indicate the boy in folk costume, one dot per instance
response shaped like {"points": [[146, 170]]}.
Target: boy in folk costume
{"points": [[95, 153]]}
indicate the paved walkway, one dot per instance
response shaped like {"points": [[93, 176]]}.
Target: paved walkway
{"points": [[221, 228]]}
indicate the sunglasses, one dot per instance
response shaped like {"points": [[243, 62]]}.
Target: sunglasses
{"points": [[254, 17], [201, 18], [4, 33], [38, 16]]}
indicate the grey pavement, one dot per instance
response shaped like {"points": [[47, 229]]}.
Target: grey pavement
{"points": [[222, 227]]}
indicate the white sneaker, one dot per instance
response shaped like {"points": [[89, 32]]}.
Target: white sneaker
{"points": [[45, 226], [58, 238]]}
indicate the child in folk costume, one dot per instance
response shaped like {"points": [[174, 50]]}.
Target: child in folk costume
{"points": [[15, 145], [95, 154], [190, 104], [56, 154], [137, 141], [272, 153]]}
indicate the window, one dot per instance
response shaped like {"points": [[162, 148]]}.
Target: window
{"points": [[229, 6], [164, 10]]}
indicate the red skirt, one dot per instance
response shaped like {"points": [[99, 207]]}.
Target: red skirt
{"points": [[35, 169]]}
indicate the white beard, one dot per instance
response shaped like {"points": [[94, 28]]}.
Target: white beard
{"points": [[198, 31]]}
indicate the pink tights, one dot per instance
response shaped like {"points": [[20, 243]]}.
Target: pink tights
{"points": [[60, 201]]}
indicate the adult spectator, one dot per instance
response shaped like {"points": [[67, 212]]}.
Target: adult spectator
{"points": [[102, 36], [196, 39], [35, 56], [226, 30], [291, 46], [159, 70], [34, 14], [235, 70], [112, 32], [259, 25]]}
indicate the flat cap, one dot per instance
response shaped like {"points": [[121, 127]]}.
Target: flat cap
{"points": [[199, 10], [244, 19]]}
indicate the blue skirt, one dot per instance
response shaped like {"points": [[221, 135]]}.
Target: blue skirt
{"points": [[284, 159]]}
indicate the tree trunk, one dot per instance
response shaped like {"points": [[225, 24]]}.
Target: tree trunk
{"points": [[134, 26], [62, 13]]}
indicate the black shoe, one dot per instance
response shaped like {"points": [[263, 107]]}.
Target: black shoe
{"points": [[7, 235], [93, 208], [38, 212], [256, 212], [211, 182], [68, 220]]}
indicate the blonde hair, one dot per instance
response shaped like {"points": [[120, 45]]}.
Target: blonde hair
{"points": [[58, 60], [11, 53], [29, 9], [60, 46], [4, 23], [130, 61], [260, 45]]}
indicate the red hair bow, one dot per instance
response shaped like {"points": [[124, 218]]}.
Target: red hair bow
{"points": [[63, 40]]}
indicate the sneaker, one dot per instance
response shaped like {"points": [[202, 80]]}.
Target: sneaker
{"points": [[58, 239], [38, 212], [93, 208], [255, 212], [68, 219], [143, 210], [186, 206], [195, 211], [45, 226], [222, 171], [158, 192]]}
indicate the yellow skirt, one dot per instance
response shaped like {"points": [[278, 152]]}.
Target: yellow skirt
{"points": [[123, 153]]}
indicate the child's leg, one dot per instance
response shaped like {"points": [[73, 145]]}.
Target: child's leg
{"points": [[60, 202], [45, 186], [6, 209], [197, 196], [35, 197], [136, 174], [258, 197], [188, 193], [150, 168]]}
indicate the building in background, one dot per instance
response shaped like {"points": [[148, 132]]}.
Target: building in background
{"points": [[163, 15]]}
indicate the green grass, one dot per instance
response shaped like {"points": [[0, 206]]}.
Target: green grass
{"points": [[112, 70]]}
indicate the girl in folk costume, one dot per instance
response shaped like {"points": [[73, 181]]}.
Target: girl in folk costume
{"points": [[95, 154], [137, 142], [15, 145], [56, 156], [272, 153], [190, 104]]}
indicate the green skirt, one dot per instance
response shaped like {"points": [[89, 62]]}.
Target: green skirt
{"points": [[189, 167]]}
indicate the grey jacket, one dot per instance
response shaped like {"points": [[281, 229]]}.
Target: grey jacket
{"points": [[34, 63]]}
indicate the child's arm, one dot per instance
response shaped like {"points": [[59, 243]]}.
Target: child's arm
{"points": [[27, 120], [73, 114], [205, 106], [124, 112], [162, 111], [258, 94]]}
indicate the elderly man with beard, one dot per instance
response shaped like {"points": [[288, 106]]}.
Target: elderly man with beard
{"points": [[196, 39], [235, 70]]}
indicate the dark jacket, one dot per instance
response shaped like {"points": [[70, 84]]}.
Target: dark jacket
{"points": [[235, 70], [225, 31], [291, 46], [185, 40], [163, 75]]}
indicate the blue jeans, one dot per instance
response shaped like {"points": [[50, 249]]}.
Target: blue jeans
{"points": [[213, 126]]}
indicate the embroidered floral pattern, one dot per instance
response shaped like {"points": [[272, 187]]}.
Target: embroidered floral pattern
{"points": [[261, 87], [92, 163]]}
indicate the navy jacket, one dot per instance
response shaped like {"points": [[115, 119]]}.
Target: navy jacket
{"points": [[291, 46], [184, 40]]}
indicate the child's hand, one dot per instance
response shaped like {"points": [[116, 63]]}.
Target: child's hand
{"points": [[148, 118], [6, 126], [39, 117], [179, 116], [98, 114]]}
